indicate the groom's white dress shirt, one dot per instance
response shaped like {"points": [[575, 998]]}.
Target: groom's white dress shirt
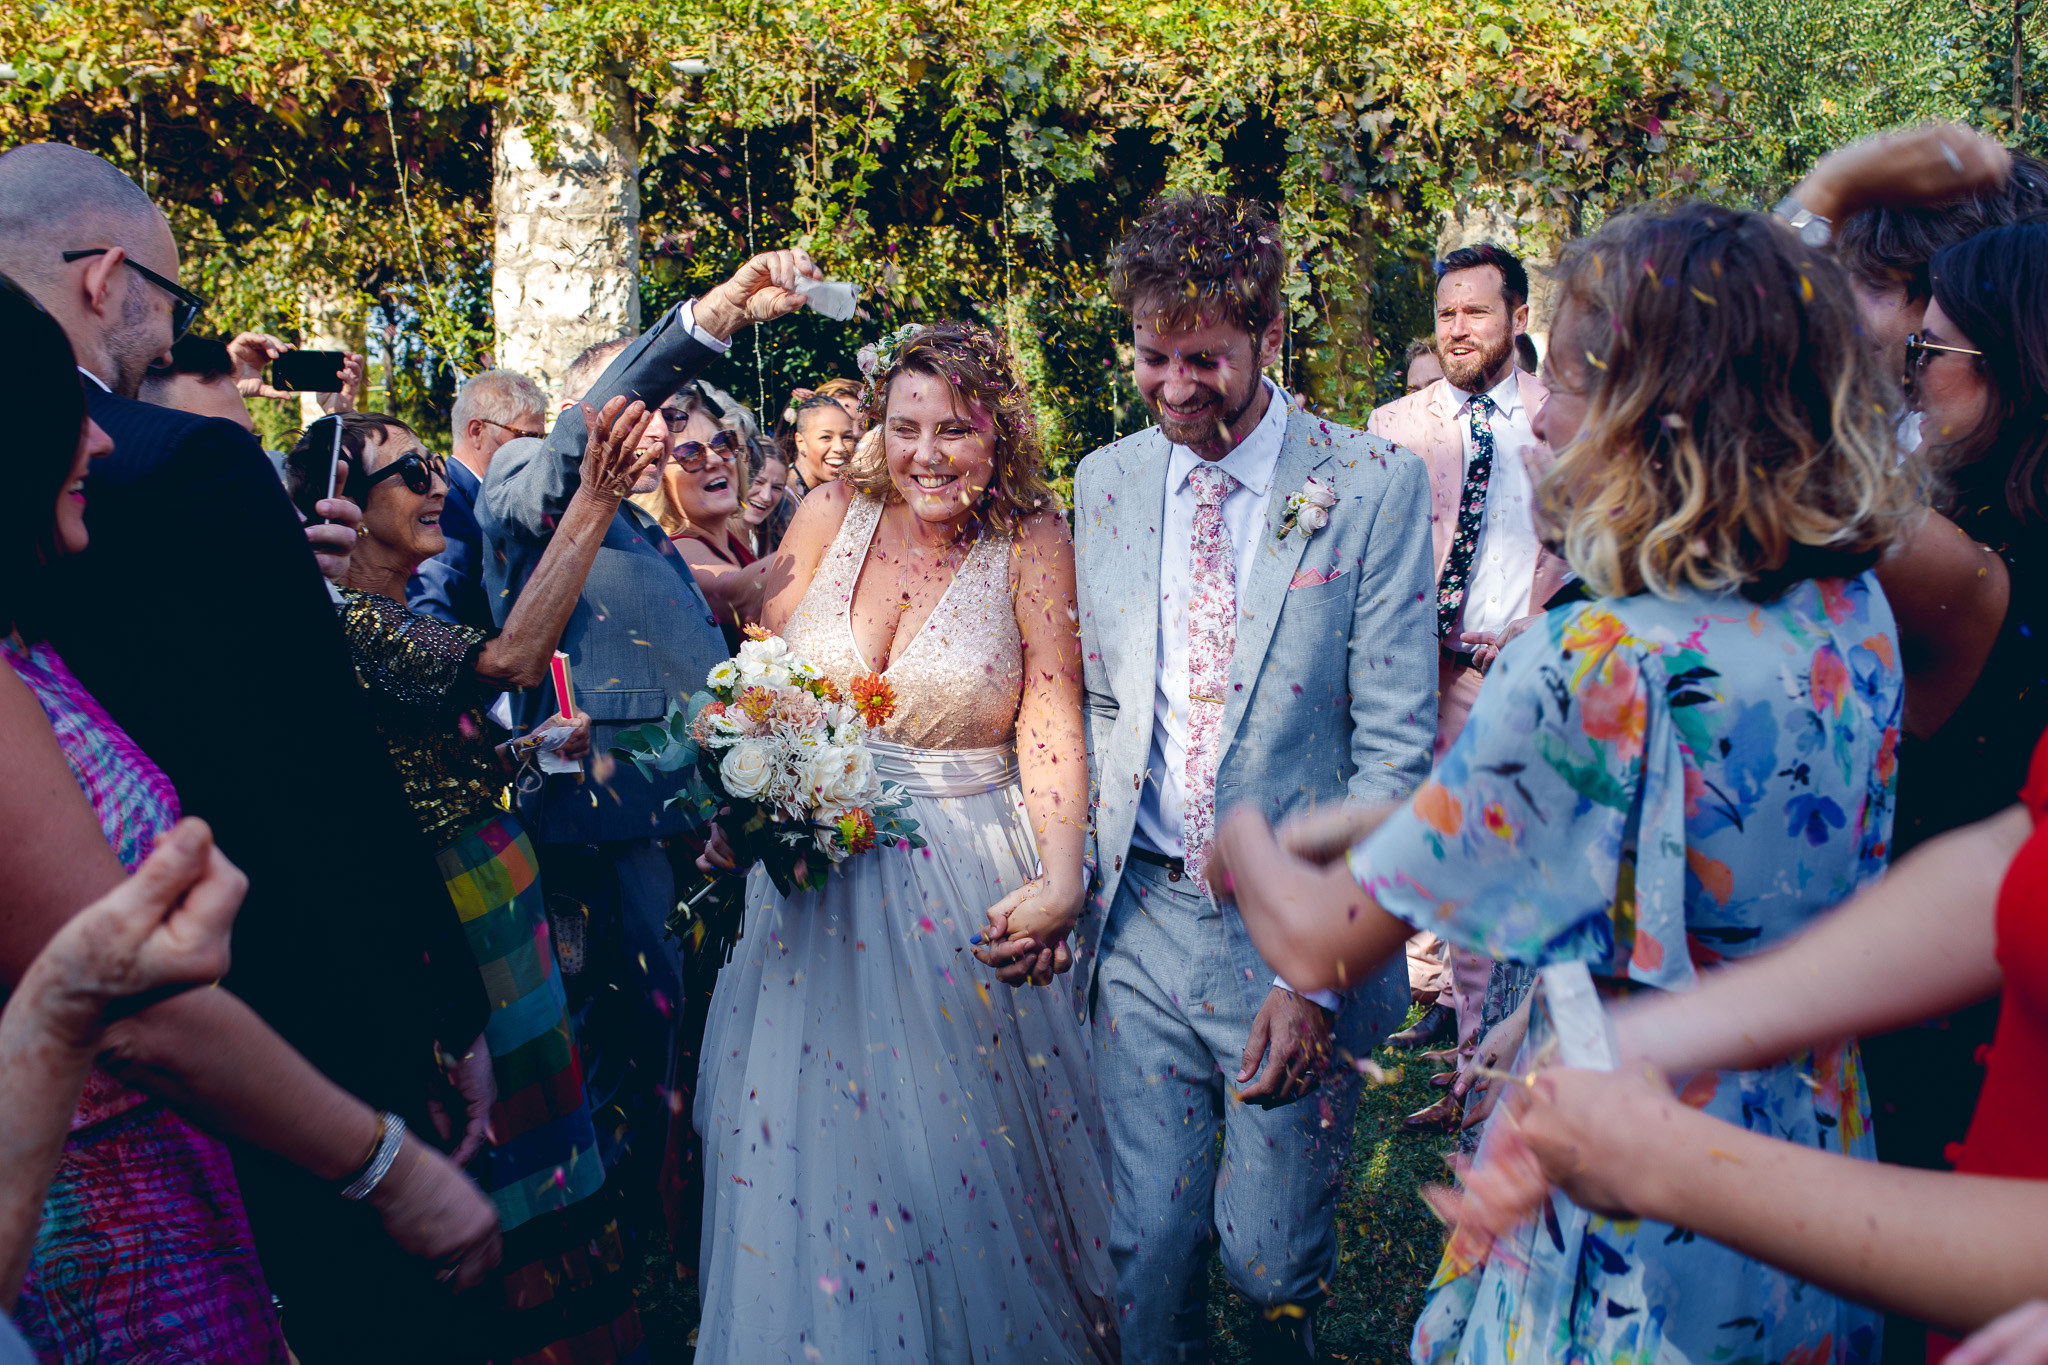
{"points": [[1251, 463]]}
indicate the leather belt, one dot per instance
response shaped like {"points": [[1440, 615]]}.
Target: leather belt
{"points": [[1176, 869]]}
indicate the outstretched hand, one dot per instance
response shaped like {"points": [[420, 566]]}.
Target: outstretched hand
{"points": [[161, 930], [612, 459], [760, 291]]}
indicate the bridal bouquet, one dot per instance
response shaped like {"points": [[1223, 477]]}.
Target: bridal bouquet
{"points": [[778, 756]]}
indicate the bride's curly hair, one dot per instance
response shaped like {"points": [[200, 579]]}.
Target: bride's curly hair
{"points": [[1738, 433], [976, 364]]}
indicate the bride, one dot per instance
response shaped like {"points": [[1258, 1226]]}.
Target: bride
{"points": [[901, 1162]]}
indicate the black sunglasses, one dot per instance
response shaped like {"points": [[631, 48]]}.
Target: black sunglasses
{"points": [[1919, 351], [692, 454], [185, 305], [419, 472]]}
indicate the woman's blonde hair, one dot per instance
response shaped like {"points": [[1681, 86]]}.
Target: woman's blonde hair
{"points": [[976, 364], [1738, 433], [658, 504]]}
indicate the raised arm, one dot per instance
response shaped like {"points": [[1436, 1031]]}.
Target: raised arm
{"points": [[527, 495], [1393, 643], [1028, 928], [1918, 944], [518, 656]]}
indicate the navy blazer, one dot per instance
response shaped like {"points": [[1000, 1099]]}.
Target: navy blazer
{"points": [[199, 619], [450, 586], [642, 633]]}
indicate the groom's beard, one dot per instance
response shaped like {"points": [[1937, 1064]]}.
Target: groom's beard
{"points": [[1199, 430]]}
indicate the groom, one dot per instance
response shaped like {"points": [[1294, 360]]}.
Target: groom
{"points": [[1257, 629]]}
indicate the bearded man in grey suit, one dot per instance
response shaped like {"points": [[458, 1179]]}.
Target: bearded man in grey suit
{"points": [[1257, 629]]}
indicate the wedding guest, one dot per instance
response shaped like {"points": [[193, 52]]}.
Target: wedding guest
{"points": [[1639, 785], [702, 490], [1267, 638], [1421, 368], [640, 634], [1957, 919], [369, 978], [1473, 430], [430, 684], [145, 1248], [158, 932], [767, 475], [819, 441], [491, 408]]}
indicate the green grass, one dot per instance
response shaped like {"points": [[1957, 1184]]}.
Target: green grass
{"points": [[1387, 1244]]}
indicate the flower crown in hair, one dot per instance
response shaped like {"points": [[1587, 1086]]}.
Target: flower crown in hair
{"points": [[878, 356]]}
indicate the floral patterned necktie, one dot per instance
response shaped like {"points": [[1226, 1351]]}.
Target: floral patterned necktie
{"points": [[1212, 636], [1450, 589]]}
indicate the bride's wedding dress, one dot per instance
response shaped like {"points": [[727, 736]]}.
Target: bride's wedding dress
{"points": [[904, 1159]]}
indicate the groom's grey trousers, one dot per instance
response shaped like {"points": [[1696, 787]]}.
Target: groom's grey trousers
{"points": [[1173, 1012]]}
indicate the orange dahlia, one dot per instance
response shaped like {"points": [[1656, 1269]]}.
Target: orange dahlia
{"points": [[874, 698], [757, 632]]}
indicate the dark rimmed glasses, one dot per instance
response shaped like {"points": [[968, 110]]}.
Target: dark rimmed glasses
{"points": [[691, 455], [419, 472], [185, 305], [1919, 351]]}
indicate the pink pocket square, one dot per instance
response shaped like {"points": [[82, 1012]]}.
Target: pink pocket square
{"points": [[1311, 578]]}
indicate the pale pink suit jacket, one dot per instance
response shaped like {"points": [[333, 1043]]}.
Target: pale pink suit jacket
{"points": [[1426, 422]]}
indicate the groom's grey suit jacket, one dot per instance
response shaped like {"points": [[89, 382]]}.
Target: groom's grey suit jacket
{"points": [[1332, 683]]}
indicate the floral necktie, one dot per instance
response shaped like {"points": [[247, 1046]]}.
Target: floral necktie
{"points": [[1212, 636], [1450, 589]]}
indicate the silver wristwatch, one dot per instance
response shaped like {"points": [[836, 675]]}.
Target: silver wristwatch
{"points": [[1813, 229]]}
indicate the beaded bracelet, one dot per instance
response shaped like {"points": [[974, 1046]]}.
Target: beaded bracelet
{"points": [[390, 1134]]}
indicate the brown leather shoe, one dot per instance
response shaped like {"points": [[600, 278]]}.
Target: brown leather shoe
{"points": [[1442, 1117], [1434, 1024]]}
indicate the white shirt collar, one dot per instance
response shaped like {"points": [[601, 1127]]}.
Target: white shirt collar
{"points": [[1251, 461], [105, 387], [1506, 395]]}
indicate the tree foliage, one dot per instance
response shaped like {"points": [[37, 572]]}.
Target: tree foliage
{"points": [[952, 156]]}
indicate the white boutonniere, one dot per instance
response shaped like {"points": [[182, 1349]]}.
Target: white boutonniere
{"points": [[1309, 509]]}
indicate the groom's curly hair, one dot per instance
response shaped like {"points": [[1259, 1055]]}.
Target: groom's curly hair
{"points": [[1194, 256]]}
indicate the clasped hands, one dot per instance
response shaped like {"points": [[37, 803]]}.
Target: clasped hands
{"points": [[1026, 938]]}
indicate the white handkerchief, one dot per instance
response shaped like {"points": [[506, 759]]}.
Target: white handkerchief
{"points": [[834, 298], [551, 740]]}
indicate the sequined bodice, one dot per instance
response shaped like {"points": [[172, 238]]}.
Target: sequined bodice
{"points": [[959, 680]]}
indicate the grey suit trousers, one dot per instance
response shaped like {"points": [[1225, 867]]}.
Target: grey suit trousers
{"points": [[1171, 1019]]}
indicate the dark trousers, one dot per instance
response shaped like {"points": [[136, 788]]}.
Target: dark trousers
{"points": [[627, 998]]}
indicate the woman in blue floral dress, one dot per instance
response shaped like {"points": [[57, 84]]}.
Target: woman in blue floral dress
{"points": [[1683, 771]]}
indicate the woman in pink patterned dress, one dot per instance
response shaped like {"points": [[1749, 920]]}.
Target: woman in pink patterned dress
{"points": [[144, 1251]]}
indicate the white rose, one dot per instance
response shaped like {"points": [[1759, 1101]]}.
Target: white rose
{"points": [[748, 769], [1318, 494], [839, 776], [1312, 518]]}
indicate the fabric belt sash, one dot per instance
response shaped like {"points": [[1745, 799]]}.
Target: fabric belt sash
{"points": [[944, 772]]}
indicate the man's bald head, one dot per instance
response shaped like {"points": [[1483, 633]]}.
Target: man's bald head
{"points": [[55, 198]]}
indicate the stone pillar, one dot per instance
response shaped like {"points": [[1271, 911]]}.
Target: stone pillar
{"points": [[331, 319], [566, 252]]}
